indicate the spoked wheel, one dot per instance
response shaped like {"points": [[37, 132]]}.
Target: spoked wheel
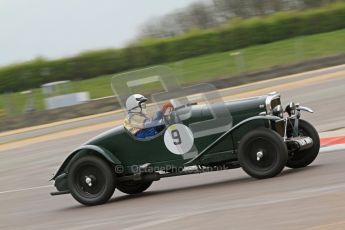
{"points": [[305, 157], [262, 153], [133, 187], [91, 180]]}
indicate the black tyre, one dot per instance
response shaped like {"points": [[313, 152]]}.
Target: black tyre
{"points": [[262, 153], [133, 187], [91, 180], [305, 157]]}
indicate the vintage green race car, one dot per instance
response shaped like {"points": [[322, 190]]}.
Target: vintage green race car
{"points": [[263, 138]]}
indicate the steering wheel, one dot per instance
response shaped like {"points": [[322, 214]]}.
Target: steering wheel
{"points": [[171, 117]]}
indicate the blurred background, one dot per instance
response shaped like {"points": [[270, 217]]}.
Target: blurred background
{"points": [[57, 58]]}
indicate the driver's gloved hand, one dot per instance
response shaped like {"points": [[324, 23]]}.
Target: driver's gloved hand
{"points": [[166, 106]]}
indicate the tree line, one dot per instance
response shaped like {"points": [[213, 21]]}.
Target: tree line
{"points": [[203, 15]]}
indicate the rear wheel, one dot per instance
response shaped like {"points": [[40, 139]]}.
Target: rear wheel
{"points": [[262, 153], [305, 157], [133, 187], [91, 180]]}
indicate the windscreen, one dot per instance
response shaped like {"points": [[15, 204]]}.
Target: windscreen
{"points": [[160, 86]]}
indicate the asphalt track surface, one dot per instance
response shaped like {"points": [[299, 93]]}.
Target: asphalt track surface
{"points": [[310, 198]]}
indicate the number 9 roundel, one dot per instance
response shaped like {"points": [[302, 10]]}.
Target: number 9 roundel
{"points": [[178, 139]]}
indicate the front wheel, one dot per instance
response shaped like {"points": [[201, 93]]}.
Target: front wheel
{"points": [[262, 153], [305, 157], [91, 180]]}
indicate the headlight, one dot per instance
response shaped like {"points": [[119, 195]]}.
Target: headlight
{"points": [[290, 109], [278, 111]]}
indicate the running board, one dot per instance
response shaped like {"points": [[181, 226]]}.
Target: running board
{"points": [[144, 176]]}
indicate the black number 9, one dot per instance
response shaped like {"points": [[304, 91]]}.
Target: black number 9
{"points": [[176, 136]]}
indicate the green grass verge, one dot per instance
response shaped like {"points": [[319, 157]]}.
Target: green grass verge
{"points": [[216, 66]]}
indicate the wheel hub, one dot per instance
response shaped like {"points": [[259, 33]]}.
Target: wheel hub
{"points": [[259, 155], [89, 180]]}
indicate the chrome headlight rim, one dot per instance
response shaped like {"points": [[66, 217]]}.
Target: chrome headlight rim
{"points": [[291, 108], [278, 111]]}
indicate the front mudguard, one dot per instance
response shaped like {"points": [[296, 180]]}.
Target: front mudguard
{"points": [[61, 182]]}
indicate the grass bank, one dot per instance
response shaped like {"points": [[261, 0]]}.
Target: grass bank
{"points": [[215, 66]]}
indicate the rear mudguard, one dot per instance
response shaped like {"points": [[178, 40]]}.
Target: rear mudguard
{"points": [[208, 148], [104, 153]]}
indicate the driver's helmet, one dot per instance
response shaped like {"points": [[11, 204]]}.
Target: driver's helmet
{"points": [[136, 103]]}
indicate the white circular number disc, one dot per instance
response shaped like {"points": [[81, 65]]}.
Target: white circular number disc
{"points": [[178, 139]]}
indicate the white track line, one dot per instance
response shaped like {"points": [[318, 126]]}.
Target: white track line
{"points": [[25, 189], [332, 148]]}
